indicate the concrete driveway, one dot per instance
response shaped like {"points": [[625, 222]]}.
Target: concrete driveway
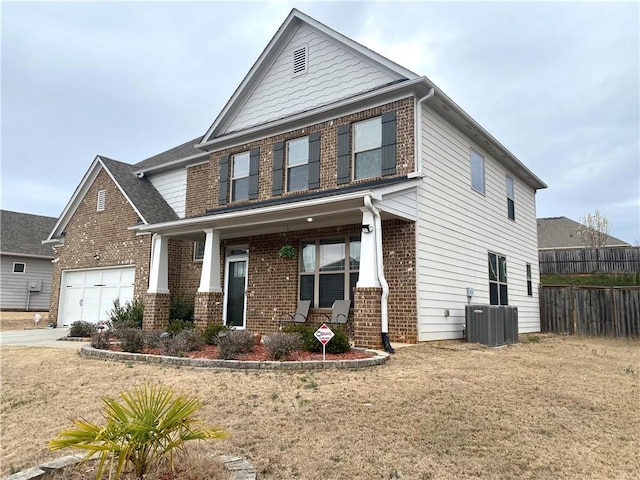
{"points": [[42, 337]]}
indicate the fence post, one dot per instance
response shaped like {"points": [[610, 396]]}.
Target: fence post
{"points": [[614, 320], [572, 311]]}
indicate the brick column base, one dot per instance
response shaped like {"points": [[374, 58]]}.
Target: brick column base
{"points": [[367, 331], [156, 311], [207, 308]]}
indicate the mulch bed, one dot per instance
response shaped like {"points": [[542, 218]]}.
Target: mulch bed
{"points": [[259, 353]]}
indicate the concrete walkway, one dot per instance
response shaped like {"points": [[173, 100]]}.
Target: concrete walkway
{"points": [[41, 337]]}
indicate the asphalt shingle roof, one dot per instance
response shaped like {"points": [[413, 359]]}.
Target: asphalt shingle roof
{"points": [[141, 192], [23, 233], [562, 232], [176, 153]]}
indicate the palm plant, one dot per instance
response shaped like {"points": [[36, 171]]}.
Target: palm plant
{"points": [[141, 430]]}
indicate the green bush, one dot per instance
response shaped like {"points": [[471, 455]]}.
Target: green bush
{"points": [[188, 340], [177, 325], [82, 329], [141, 430], [212, 331], [234, 343], [282, 345], [131, 339], [338, 344], [130, 315], [181, 307]]}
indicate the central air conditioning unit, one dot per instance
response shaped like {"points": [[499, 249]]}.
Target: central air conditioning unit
{"points": [[492, 325]]}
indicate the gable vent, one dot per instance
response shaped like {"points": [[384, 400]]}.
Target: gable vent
{"points": [[102, 195], [300, 60]]}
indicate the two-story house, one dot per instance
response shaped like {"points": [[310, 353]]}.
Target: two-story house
{"points": [[391, 195]]}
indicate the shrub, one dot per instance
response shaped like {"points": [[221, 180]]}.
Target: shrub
{"points": [[178, 325], [188, 340], [101, 339], [141, 430], [338, 344], [131, 339], [130, 315], [212, 331], [82, 329], [181, 307], [152, 338], [234, 343], [281, 345]]}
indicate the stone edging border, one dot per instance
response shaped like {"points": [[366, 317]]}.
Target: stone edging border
{"points": [[378, 359], [239, 468]]}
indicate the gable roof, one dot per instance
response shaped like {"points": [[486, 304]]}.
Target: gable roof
{"points": [[273, 49], [181, 152], [143, 197], [23, 233], [562, 232]]}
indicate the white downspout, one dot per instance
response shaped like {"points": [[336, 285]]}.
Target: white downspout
{"points": [[377, 231], [417, 135]]}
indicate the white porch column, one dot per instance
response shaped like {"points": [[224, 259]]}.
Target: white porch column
{"points": [[210, 278], [368, 274], [159, 274]]}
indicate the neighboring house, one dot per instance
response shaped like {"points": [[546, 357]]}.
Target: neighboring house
{"points": [[561, 233], [25, 263], [391, 194]]}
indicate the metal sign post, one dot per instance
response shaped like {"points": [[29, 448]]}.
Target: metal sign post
{"points": [[324, 335]]}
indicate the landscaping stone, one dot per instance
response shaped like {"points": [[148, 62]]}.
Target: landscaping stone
{"points": [[28, 474]]}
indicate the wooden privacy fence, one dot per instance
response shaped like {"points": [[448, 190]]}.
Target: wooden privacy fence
{"points": [[589, 260], [598, 311]]}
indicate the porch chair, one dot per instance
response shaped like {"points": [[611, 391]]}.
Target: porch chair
{"points": [[300, 316], [340, 315]]}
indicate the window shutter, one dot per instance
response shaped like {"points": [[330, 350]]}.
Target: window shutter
{"points": [[344, 154], [278, 159], [224, 180], [314, 160], [254, 167], [389, 143]]}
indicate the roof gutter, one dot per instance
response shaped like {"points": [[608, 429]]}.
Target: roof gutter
{"points": [[191, 160]]}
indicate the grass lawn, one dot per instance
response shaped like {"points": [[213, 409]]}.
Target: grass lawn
{"points": [[21, 320], [560, 407]]}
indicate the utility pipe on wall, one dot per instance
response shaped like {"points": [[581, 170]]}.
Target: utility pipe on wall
{"points": [[384, 304], [418, 134]]}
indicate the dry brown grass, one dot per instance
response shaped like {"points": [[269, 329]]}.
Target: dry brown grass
{"points": [[561, 408], [21, 320]]}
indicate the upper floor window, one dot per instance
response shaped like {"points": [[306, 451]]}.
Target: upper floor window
{"points": [[367, 148], [498, 280], [477, 171], [240, 177], [511, 206], [529, 281], [19, 267], [298, 164], [102, 197], [326, 273]]}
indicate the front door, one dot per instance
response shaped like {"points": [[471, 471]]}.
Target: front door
{"points": [[235, 288]]}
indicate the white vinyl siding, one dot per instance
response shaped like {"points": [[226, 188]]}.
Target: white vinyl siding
{"points": [[280, 94], [456, 228], [173, 188]]}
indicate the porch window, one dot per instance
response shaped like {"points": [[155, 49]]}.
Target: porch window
{"points": [[367, 148], [198, 251], [498, 280], [326, 273], [240, 177]]}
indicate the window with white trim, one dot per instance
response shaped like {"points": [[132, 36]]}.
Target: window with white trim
{"points": [[19, 267], [102, 198], [240, 177], [198, 251], [298, 164], [529, 281], [326, 273], [367, 148], [498, 279], [477, 171], [511, 205]]}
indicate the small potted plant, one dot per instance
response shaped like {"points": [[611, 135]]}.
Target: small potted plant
{"points": [[287, 251]]}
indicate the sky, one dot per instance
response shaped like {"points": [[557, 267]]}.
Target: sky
{"points": [[557, 83]]}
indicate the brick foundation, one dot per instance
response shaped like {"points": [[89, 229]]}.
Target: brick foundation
{"points": [[367, 330], [156, 311], [208, 308]]}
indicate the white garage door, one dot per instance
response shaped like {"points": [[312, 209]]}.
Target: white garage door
{"points": [[89, 294]]}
